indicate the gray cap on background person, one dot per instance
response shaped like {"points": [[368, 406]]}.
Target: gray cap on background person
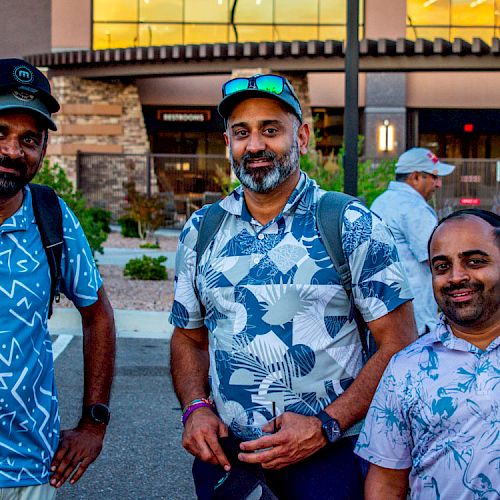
{"points": [[22, 86], [422, 160]]}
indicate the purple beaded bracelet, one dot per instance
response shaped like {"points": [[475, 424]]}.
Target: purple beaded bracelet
{"points": [[191, 408]]}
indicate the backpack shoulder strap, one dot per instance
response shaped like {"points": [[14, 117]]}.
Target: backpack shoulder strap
{"points": [[209, 226], [329, 218], [48, 216]]}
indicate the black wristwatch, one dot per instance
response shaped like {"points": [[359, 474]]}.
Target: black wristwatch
{"points": [[330, 426], [98, 413]]}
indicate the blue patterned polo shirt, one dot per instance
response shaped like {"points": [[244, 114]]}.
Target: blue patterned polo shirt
{"points": [[29, 419], [276, 312], [437, 410]]}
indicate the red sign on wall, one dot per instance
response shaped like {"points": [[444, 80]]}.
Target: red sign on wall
{"points": [[470, 201]]}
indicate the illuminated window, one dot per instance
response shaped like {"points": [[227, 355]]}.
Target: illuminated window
{"points": [[254, 11], [452, 19], [129, 23], [160, 10], [301, 12], [206, 11], [112, 35]]}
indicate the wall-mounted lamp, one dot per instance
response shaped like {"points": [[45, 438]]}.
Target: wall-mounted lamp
{"points": [[386, 137]]}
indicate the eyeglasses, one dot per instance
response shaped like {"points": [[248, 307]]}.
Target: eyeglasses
{"points": [[273, 84]]}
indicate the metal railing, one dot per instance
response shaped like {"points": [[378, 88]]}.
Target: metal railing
{"points": [[185, 181], [188, 181], [474, 183]]}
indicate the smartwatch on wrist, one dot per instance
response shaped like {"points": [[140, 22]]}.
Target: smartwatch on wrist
{"points": [[330, 426], [98, 413]]}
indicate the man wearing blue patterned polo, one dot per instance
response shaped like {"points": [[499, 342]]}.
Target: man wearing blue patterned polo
{"points": [[35, 456], [434, 423], [262, 325]]}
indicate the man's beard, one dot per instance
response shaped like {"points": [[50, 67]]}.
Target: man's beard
{"points": [[480, 308], [11, 184], [265, 179]]}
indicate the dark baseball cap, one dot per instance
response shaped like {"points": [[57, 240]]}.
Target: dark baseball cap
{"points": [[269, 86], [22, 86]]}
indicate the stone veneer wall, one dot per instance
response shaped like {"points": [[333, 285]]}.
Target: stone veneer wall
{"points": [[99, 117]]}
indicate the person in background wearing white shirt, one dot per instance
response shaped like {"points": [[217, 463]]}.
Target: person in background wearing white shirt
{"points": [[404, 208]]}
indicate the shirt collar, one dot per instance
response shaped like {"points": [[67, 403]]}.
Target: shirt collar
{"points": [[20, 220], [234, 203], [443, 334], [404, 188]]}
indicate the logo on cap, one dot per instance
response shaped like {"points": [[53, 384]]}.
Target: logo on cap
{"points": [[23, 74], [433, 157], [23, 96]]}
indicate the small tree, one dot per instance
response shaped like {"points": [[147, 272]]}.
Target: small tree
{"points": [[148, 212], [94, 222]]}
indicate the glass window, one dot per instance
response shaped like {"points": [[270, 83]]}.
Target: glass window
{"points": [[205, 33], [254, 11], [333, 12], [296, 11], [451, 19], [288, 33], [206, 11], [428, 12], [123, 10], [251, 33], [472, 12], [161, 10], [160, 34], [333, 33], [112, 36]]}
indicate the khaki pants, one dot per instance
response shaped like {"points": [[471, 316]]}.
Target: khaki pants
{"points": [[38, 492]]}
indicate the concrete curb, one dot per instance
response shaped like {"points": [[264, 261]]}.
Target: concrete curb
{"points": [[129, 323]]}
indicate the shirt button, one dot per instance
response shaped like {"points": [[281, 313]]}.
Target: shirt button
{"points": [[260, 236], [256, 260]]}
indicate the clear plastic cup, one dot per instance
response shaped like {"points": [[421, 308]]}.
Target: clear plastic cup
{"points": [[249, 432]]}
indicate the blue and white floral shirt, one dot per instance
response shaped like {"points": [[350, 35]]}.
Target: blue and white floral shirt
{"points": [[437, 410], [29, 418], [276, 312], [411, 220]]}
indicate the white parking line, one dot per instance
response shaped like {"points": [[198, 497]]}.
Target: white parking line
{"points": [[60, 344]]}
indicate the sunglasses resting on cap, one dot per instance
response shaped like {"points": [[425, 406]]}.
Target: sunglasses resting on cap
{"points": [[274, 86]]}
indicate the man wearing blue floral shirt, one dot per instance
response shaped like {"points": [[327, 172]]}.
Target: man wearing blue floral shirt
{"points": [[35, 456], [434, 423], [404, 208], [262, 325]]}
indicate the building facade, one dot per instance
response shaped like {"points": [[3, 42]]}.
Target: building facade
{"points": [[138, 76]]}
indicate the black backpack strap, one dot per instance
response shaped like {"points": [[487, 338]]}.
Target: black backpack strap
{"points": [[48, 216], [209, 227], [329, 218]]}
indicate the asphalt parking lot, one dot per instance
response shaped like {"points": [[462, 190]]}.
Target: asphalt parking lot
{"points": [[142, 457]]}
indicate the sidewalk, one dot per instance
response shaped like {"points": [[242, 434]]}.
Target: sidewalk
{"points": [[120, 256], [131, 324]]}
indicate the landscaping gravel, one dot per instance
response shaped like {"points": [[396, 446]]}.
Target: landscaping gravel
{"points": [[126, 293]]}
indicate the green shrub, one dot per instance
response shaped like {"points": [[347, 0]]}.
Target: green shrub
{"points": [[146, 268], [103, 216], [94, 228], [329, 173], [128, 227], [153, 246]]}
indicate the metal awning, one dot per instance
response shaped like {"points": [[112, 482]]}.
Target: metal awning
{"points": [[380, 55]]}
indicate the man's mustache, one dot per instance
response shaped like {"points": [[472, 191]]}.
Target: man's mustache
{"points": [[14, 164], [266, 155], [475, 287]]}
